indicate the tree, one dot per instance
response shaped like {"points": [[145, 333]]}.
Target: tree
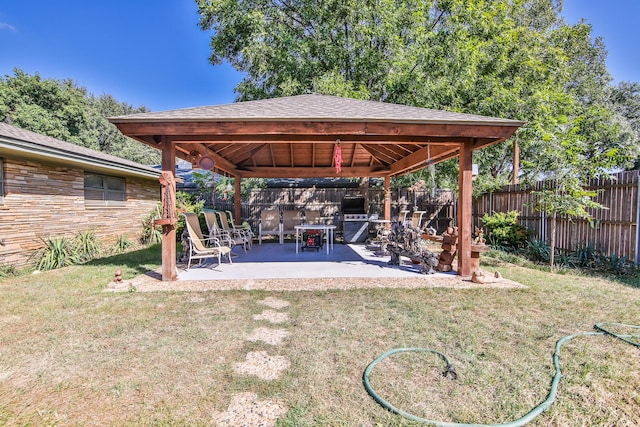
{"points": [[55, 108], [565, 192], [508, 58], [626, 102], [61, 109]]}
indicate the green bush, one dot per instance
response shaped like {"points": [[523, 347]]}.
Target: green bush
{"points": [[186, 202], [538, 251], [87, 245], [503, 229], [151, 234], [7, 270], [57, 252], [122, 243]]}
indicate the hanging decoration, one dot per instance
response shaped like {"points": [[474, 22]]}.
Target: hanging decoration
{"points": [[338, 157], [168, 183]]}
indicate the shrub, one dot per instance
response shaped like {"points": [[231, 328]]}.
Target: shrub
{"points": [[86, 245], [151, 233], [586, 255], [503, 229], [538, 251], [57, 252], [122, 244], [7, 270]]}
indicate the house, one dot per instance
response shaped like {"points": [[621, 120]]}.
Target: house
{"points": [[51, 188]]}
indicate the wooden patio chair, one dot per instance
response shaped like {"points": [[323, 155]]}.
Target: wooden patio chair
{"points": [[201, 247], [269, 224]]}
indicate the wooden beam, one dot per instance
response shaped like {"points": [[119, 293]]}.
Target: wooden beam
{"points": [[305, 172], [375, 155], [382, 152], [417, 159], [464, 209], [248, 154], [205, 129], [169, 230]]}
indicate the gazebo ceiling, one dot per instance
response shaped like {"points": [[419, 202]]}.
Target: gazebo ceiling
{"points": [[297, 136]]}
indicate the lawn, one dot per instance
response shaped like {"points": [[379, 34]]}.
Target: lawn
{"points": [[72, 354]]}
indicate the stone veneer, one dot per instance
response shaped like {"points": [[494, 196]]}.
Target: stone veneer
{"points": [[42, 201]]}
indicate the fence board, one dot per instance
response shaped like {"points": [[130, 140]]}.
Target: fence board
{"points": [[613, 230], [441, 203]]}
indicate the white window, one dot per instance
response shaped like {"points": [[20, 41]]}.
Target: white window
{"points": [[103, 190]]}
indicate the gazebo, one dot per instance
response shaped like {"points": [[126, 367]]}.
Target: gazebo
{"points": [[315, 136]]}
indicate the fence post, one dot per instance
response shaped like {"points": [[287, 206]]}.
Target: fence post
{"points": [[637, 220]]}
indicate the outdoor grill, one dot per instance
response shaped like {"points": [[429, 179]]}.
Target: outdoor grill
{"points": [[355, 221]]}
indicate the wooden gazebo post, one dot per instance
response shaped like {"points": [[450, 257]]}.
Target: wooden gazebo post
{"points": [[387, 199], [169, 204], [464, 208]]}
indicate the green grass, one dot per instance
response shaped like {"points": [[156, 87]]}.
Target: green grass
{"points": [[72, 354]]}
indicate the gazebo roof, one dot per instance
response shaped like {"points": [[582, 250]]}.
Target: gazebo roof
{"points": [[297, 136]]}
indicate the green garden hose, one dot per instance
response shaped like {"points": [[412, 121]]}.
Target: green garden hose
{"points": [[451, 373]]}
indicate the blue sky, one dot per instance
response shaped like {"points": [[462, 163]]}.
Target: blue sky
{"points": [[154, 54]]}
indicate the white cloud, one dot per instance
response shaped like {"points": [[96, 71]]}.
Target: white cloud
{"points": [[5, 26]]}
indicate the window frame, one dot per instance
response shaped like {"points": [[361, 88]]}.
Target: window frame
{"points": [[118, 187]]}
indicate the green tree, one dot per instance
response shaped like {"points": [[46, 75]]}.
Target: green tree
{"points": [[63, 110], [225, 186], [509, 58], [55, 108]]}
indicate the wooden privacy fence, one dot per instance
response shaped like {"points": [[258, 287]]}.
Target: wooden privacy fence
{"points": [[440, 205], [611, 231]]}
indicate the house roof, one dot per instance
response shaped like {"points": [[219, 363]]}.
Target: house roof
{"points": [[33, 145], [299, 136]]}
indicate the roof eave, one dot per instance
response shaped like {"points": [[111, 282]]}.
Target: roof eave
{"points": [[29, 150]]}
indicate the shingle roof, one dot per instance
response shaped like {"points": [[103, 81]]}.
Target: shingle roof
{"points": [[314, 107], [47, 146]]}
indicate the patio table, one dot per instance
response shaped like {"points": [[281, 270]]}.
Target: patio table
{"points": [[328, 229]]}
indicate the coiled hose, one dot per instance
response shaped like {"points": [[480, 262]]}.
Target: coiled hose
{"points": [[451, 373]]}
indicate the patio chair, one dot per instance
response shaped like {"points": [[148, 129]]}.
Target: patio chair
{"points": [[238, 237], [215, 230], [416, 219], [269, 224], [200, 247], [242, 230], [402, 216], [312, 217], [215, 222], [289, 221]]}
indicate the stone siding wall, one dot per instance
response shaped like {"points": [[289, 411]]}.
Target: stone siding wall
{"points": [[43, 201]]}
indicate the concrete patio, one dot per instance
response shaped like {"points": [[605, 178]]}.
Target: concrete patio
{"points": [[275, 261]]}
